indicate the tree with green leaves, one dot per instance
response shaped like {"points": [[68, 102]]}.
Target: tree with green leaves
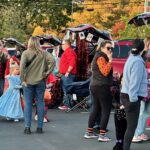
{"points": [[20, 17]]}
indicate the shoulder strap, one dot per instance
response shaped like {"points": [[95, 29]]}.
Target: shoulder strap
{"points": [[28, 63]]}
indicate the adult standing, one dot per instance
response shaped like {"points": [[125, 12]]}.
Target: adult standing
{"points": [[35, 66], [134, 89], [68, 69], [102, 75], [139, 134], [3, 60]]}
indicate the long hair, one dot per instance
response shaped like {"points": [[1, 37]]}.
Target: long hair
{"points": [[34, 44], [146, 43]]}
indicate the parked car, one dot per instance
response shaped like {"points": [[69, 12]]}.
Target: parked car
{"points": [[11, 51], [120, 54]]}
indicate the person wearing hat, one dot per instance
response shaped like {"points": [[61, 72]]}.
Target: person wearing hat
{"points": [[134, 89]]}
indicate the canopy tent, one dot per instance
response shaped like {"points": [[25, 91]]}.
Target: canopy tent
{"points": [[14, 41], [86, 38], [141, 19], [49, 39], [89, 33]]}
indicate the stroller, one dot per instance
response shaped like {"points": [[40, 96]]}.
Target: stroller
{"points": [[81, 89]]}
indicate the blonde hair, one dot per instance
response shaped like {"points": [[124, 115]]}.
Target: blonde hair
{"points": [[34, 44], [147, 43]]}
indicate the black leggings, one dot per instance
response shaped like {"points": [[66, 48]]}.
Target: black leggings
{"points": [[132, 114], [102, 102]]}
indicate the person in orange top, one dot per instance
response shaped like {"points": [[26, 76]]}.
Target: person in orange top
{"points": [[102, 77]]}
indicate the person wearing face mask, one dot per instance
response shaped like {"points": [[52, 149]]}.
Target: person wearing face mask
{"points": [[101, 81], [139, 134]]}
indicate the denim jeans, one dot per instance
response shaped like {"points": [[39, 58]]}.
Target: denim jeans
{"points": [[143, 116], [64, 81], [1, 86], [31, 92]]}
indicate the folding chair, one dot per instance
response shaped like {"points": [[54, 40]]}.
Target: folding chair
{"points": [[81, 89]]}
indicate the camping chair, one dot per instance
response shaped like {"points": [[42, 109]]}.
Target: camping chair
{"points": [[81, 89]]}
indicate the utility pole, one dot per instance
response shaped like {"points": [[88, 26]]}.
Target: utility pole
{"points": [[72, 10], [145, 5]]}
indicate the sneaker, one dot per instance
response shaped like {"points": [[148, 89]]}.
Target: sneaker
{"points": [[92, 135], [136, 139], [103, 138], [16, 120], [39, 130], [46, 120], [148, 128], [27, 130], [36, 117], [64, 107], [144, 137]]}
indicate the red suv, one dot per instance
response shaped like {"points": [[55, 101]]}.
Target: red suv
{"points": [[120, 54]]}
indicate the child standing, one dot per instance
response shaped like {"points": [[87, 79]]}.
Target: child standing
{"points": [[10, 103], [51, 80]]}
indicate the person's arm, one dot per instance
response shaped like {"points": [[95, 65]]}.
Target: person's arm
{"points": [[50, 60], [104, 66], [22, 67], [136, 76]]}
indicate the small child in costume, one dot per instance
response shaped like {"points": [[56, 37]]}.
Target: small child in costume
{"points": [[49, 83], [119, 119], [10, 102]]}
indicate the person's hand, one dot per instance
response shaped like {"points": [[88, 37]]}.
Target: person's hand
{"points": [[11, 61], [110, 57], [66, 74]]}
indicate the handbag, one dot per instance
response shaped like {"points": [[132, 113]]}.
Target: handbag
{"points": [[47, 97], [28, 63]]}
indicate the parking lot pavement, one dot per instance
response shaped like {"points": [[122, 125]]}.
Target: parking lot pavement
{"points": [[64, 132]]}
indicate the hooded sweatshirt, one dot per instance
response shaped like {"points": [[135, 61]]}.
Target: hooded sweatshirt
{"points": [[42, 65]]}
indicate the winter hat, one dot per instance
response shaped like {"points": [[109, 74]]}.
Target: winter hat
{"points": [[137, 47]]}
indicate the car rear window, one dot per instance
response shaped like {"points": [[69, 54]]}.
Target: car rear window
{"points": [[122, 49]]}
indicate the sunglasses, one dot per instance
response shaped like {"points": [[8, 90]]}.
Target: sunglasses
{"points": [[109, 48]]}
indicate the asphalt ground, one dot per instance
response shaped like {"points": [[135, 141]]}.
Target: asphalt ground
{"points": [[64, 132]]}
